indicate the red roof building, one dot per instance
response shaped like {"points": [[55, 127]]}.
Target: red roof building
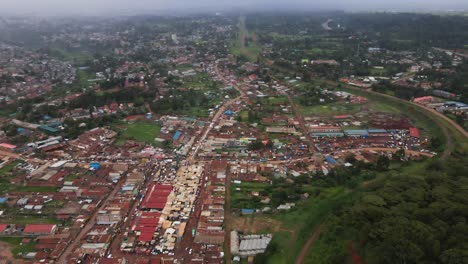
{"points": [[342, 116], [156, 197], [414, 132], [3, 227], [6, 146], [252, 77], [424, 99], [37, 229]]}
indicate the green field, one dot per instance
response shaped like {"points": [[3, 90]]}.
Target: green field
{"points": [[379, 107], [378, 72], [244, 116], [17, 246], [30, 219], [196, 112], [243, 198], [278, 100], [201, 81], [329, 109], [9, 167], [5, 187], [34, 189], [70, 177], [144, 132], [76, 57]]}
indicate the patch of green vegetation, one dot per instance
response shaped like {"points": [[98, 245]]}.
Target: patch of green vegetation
{"points": [[33, 189], [329, 109], [9, 167], [246, 43], [30, 219], [70, 177], [378, 71], [17, 246], [301, 222], [201, 81], [140, 131], [241, 195], [76, 57], [379, 107], [244, 116], [6, 112], [278, 100]]}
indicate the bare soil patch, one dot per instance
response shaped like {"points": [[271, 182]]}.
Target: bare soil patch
{"points": [[255, 224]]}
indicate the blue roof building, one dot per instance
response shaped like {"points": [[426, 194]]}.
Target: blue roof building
{"points": [[328, 134], [247, 211], [377, 131], [330, 160], [228, 112], [176, 135], [94, 165], [48, 129], [356, 133]]}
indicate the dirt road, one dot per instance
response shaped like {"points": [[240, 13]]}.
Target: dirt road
{"points": [[298, 115], [308, 244], [89, 225], [9, 154]]}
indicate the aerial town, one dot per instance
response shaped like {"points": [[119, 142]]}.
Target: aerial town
{"points": [[223, 139]]}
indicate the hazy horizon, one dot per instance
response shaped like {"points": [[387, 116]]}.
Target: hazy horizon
{"points": [[127, 7]]}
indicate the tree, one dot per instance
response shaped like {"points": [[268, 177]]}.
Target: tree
{"points": [[399, 155], [454, 256], [436, 143], [383, 163], [255, 145]]}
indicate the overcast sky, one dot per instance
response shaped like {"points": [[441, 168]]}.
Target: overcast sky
{"points": [[118, 7]]}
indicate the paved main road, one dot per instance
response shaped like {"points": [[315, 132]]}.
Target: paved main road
{"points": [[217, 115]]}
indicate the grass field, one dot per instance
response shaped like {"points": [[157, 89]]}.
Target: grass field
{"points": [[200, 81], [141, 131], [76, 57], [70, 177], [278, 100], [329, 109], [5, 187], [17, 246], [244, 116], [9, 167], [242, 198], [24, 220], [379, 107], [378, 72], [34, 189]]}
